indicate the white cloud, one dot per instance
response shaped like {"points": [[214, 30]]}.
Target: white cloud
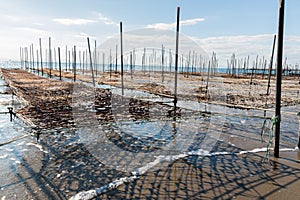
{"points": [[32, 30], [10, 18], [106, 20], [80, 21], [69, 21], [168, 26], [85, 35]]}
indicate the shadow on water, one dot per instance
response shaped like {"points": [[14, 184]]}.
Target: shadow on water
{"points": [[64, 161], [212, 177]]}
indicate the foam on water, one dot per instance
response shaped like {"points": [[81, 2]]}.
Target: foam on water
{"points": [[90, 194], [37, 146]]}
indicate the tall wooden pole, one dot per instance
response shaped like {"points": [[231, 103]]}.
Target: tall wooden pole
{"points": [[279, 77], [37, 61], [121, 41], [66, 58], [50, 58], [59, 63], [271, 65], [74, 63], [176, 58], [91, 62], [21, 56], [32, 52], [95, 58], [116, 68]]}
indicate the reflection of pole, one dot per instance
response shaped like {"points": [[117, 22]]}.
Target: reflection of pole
{"points": [[122, 79], [176, 58], [279, 77]]}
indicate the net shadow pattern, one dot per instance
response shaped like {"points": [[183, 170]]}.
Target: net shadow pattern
{"points": [[211, 177]]}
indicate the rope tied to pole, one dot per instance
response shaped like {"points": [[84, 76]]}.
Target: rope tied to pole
{"points": [[270, 134]]}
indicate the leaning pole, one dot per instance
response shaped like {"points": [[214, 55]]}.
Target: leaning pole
{"points": [[279, 77]]}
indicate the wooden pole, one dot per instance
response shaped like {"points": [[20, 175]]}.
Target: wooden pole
{"points": [[121, 41], [37, 61], [271, 65], [26, 58], [207, 80], [131, 66], [116, 67], [74, 63], [95, 59], [83, 61], [176, 58], [110, 63], [21, 56], [69, 53], [103, 64], [80, 66], [50, 58], [54, 55], [91, 62], [66, 58], [32, 52], [279, 77], [143, 61], [162, 64], [59, 63]]}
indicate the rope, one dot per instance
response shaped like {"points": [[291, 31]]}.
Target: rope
{"points": [[270, 133], [13, 140]]}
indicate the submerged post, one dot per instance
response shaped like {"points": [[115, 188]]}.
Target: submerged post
{"points": [[176, 58], [121, 38], [279, 77]]}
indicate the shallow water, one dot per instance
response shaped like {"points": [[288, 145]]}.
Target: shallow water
{"points": [[67, 161], [17, 149]]}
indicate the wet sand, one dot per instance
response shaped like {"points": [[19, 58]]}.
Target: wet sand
{"points": [[66, 167], [239, 91]]}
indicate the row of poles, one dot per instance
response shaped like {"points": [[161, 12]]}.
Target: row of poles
{"points": [[28, 61], [151, 61], [260, 66], [211, 66]]}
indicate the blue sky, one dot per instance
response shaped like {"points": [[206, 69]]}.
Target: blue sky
{"points": [[243, 27]]}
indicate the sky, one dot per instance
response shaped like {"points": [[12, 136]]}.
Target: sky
{"points": [[243, 27]]}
